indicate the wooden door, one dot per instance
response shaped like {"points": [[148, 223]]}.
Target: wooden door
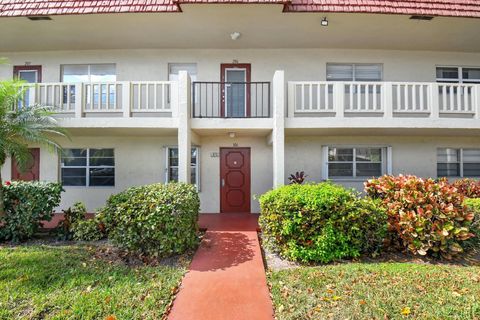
{"points": [[32, 169], [235, 79], [235, 180]]}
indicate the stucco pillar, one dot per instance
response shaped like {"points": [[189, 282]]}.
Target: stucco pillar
{"points": [[184, 131], [278, 132]]}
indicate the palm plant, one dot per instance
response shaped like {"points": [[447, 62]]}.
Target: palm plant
{"points": [[21, 126]]}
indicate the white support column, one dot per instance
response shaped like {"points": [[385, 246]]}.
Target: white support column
{"points": [[126, 99], [435, 101], [78, 100], [387, 99], [278, 132], [184, 132]]}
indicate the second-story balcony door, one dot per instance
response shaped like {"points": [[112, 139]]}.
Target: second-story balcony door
{"points": [[235, 90]]}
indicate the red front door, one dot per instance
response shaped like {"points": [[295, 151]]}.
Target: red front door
{"points": [[235, 179], [32, 169]]}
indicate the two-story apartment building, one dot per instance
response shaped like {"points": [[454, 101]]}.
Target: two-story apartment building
{"points": [[236, 95]]}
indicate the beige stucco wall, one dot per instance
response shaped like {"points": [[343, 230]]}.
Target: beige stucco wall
{"points": [[410, 154], [261, 168], [299, 64]]}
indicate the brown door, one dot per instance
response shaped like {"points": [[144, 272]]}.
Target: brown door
{"points": [[30, 74], [32, 169], [235, 179], [235, 80]]}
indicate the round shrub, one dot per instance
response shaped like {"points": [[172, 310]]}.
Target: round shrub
{"points": [[157, 219], [27, 204], [320, 222], [424, 215]]}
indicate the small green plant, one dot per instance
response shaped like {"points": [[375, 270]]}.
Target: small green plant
{"points": [[157, 219], [425, 216], [320, 222], [87, 230], [72, 215], [27, 204]]}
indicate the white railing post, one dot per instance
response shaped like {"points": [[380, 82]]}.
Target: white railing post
{"points": [[278, 131], [127, 99], [387, 99], [174, 99], [291, 99], [339, 99], [435, 101], [79, 108], [476, 101], [184, 131], [32, 94]]}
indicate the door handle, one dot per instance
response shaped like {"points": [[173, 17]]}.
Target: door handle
{"points": [[223, 182]]}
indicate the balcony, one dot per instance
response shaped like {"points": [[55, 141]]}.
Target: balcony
{"points": [[231, 100], [107, 99], [383, 99]]}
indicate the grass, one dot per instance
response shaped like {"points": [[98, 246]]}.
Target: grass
{"points": [[377, 291], [66, 282]]}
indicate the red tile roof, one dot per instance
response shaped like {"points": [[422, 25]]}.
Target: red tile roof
{"points": [[455, 8], [449, 8], [20, 8]]}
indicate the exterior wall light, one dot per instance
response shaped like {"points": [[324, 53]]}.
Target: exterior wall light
{"points": [[231, 134], [324, 22], [235, 35]]}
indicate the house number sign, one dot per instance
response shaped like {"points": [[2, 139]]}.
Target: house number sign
{"points": [[214, 155]]}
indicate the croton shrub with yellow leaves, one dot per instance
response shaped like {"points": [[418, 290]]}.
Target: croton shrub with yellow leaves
{"points": [[424, 215]]}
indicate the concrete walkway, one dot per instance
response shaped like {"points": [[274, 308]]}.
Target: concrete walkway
{"points": [[226, 279]]}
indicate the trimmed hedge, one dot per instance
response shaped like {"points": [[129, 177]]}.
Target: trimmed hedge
{"points": [[157, 219], [425, 216], [27, 203], [474, 204], [320, 222], [470, 188]]}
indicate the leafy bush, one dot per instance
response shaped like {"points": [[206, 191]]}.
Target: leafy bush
{"points": [[87, 230], [157, 219], [26, 205], [424, 215], [474, 204], [71, 216], [470, 188], [320, 222]]}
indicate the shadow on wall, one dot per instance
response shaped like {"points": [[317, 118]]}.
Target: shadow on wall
{"points": [[222, 250]]}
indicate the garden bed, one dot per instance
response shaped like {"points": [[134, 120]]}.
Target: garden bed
{"points": [[66, 280]]}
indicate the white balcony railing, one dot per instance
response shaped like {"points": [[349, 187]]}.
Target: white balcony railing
{"points": [[334, 99], [124, 98]]}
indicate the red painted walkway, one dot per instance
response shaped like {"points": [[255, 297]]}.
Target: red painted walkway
{"points": [[226, 279]]}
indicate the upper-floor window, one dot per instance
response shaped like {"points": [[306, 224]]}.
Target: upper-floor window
{"points": [[174, 68], [454, 162], [354, 72], [88, 167], [88, 72], [356, 162], [458, 74]]}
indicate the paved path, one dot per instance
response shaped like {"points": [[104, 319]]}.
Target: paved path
{"points": [[226, 279]]}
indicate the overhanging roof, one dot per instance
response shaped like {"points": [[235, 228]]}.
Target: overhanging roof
{"points": [[449, 8]]}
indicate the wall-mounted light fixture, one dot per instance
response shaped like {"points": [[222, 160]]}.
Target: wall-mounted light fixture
{"points": [[324, 22], [231, 134], [235, 35]]}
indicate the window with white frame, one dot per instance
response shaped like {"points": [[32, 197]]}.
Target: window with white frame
{"points": [[455, 162], [88, 72], [174, 68], [458, 74], [354, 72], [355, 162], [88, 167], [172, 165]]}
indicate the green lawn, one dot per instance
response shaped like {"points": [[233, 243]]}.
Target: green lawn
{"points": [[66, 282], [377, 291]]}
